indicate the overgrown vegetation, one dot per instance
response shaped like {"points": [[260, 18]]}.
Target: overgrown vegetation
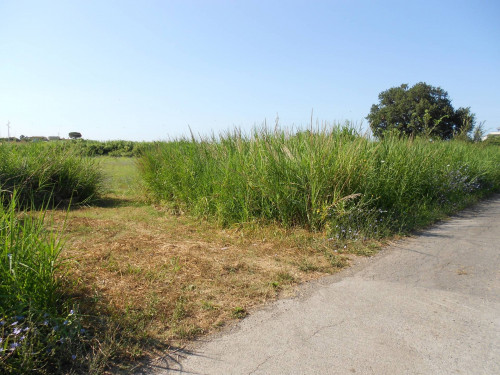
{"points": [[331, 179], [39, 329], [83, 147], [47, 174], [293, 207], [106, 148]]}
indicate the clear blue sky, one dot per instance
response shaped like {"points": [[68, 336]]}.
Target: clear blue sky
{"points": [[146, 70]]}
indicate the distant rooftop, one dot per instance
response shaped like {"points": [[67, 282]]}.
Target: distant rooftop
{"points": [[492, 134]]}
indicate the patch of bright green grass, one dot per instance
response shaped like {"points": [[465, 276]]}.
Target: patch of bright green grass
{"points": [[122, 176]]}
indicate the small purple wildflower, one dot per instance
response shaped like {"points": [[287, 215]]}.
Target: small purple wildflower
{"points": [[17, 331], [73, 357]]}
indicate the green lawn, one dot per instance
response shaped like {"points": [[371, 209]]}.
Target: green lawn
{"points": [[121, 176]]}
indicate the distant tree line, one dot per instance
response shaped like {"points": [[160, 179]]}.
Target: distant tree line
{"points": [[106, 148]]}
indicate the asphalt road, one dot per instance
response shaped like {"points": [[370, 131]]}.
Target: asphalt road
{"points": [[425, 305]]}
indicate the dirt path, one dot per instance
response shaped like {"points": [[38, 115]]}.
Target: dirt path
{"points": [[426, 305]]}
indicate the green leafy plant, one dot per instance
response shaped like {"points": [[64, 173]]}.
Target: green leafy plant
{"points": [[40, 330]]}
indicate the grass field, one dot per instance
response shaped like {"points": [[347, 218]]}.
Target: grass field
{"points": [[172, 248], [163, 273]]}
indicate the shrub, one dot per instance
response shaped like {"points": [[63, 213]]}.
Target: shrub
{"points": [[41, 173]]}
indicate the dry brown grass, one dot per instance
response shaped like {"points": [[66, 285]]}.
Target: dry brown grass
{"points": [[178, 277]]}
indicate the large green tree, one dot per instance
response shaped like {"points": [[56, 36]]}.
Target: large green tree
{"points": [[419, 110]]}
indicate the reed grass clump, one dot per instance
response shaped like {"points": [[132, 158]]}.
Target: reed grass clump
{"points": [[330, 179], [43, 173], [39, 330]]}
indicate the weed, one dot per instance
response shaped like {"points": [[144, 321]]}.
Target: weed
{"points": [[285, 277], [179, 312], [175, 265], [336, 260], [187, 333], [239, 312], [209, 306], [306, 266], [133, 270]]}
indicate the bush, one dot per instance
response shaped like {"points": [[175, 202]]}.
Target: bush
{"points": [[41, 173]]}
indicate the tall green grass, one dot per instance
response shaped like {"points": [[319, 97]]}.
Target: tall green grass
{"points": [[330, 179], [39, 331], [42, 173]]}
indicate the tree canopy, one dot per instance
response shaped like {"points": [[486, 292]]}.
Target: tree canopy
{"points": [[419, 110], [75, 135]]}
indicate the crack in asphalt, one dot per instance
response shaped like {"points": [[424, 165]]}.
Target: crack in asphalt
{"points": [[328, 326]]}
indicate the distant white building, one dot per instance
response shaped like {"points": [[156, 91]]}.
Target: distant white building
{"points": [[38, 139], [492, 134]]}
